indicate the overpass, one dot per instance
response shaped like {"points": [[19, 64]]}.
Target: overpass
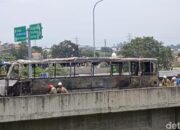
{"points": [[127, 109]]}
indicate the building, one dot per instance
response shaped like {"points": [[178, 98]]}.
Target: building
{"points": [[36, 56]]}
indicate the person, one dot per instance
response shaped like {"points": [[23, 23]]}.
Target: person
{"points": [[173, 82], [166, 82], [52, 89], [61, 88], [178, 81]]}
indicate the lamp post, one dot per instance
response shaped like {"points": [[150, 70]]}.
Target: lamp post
{"points": [[94, 41]]}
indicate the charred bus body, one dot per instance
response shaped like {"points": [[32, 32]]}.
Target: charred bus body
{"points": [[79, 74]]}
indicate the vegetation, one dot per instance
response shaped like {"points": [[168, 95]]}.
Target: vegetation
{"points": [[65, 49], [86, 51], [3, 58], [44, 69], [45, 54], [148, 47], [21, 52], [106, 49], [37, 49], [6, 57]]}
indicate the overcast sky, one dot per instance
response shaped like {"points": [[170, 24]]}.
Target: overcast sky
{"points": [[68, 19]]}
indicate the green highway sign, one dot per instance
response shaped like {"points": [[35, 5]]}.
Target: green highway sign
{"points": [[20, 34], [35, 31]]}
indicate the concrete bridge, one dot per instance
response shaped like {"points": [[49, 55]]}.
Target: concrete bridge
{"points": [[129, 109]]}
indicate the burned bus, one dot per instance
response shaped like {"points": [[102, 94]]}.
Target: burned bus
{"points": [[79, 74]]}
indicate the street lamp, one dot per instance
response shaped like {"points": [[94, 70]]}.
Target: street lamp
{"points": [[94, 24]]}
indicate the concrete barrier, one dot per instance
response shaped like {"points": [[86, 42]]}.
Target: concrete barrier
{"points": [[52, 106]]}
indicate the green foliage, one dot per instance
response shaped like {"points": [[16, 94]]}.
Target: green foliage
{"points": [[45, 54], [37, 49], [106, 49], [97, 54], [86, 51], [6, 57], [21, 53], [104, 54], [65, 49], [40, 70], [24, 71], [60, 71], [89, 52], [148, 47]]}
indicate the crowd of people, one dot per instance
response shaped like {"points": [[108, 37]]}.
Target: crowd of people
{"points": [[173, 82], [58, 89]]}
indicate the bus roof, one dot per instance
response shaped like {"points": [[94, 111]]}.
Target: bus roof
{"points": [[83, 60]]}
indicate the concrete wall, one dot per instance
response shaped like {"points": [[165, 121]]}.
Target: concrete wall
{"points": [[51, 106], [138, 120]]}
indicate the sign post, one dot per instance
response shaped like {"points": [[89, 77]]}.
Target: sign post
{"points": [[34, 32], [29, 53], [20, 34]]}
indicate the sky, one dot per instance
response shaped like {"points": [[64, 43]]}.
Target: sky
{"points": [[72, 19]]}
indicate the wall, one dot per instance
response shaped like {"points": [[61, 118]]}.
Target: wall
{"points": [[51, 106], [138, 120]]}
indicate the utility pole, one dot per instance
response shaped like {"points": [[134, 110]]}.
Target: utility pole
{"points": [[105, 47], [129, 37], [35, 44], [29, 53], [94, 40]]}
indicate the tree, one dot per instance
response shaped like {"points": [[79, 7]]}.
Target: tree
{"points": [[65, 49], [148, 47], [6, 57], [97, 54], [45, 54], [86, 51], [37, 49], [21, 52], [106, 49]]}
